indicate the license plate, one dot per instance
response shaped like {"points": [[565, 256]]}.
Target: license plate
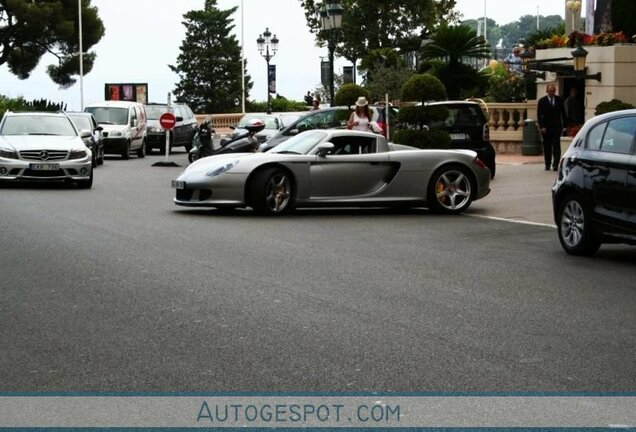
{"points": [[459, 136], [178, 184], [44, 166]]}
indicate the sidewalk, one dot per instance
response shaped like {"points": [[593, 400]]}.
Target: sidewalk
{"points": [[517, 159]]}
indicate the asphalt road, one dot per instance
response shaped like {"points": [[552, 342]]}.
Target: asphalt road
{"points": [[117, 289]]}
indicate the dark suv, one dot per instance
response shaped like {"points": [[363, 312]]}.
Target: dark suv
{"points": [[327, 118], [467, 126], [182, 133], [594, 196]]}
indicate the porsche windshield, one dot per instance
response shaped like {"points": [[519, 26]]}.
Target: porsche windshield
{"points": [[302, 143]]}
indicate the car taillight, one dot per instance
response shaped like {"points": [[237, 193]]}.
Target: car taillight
{"points": [[486, 132], [479, 163]]}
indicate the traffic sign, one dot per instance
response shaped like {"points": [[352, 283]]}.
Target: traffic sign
{"points": [[167, 120]]}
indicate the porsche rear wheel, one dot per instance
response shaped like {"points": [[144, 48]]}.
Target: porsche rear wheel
{"points": [[450, 190], [270, 191]]}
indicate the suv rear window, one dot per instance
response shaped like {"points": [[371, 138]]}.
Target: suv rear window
{"points": [[461, 116]]}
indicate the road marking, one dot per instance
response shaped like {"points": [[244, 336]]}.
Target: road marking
{"points": [[517, 221]]}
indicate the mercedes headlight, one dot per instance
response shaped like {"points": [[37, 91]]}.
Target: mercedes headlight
{"points": [[78, 154], [8, 154], [220, 170]]}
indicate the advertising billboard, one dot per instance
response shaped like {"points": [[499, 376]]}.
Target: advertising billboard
{"points": [[132, 92]]}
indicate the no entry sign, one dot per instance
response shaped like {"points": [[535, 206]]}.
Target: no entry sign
{"points": [[167, 120]]}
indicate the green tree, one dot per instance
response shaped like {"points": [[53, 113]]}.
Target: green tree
{"points": [[453, 45], [372, 24], [527, 25], [209, 65], [348, 94], [423, 88], [31, 28], [387, 80], [493, 31]]}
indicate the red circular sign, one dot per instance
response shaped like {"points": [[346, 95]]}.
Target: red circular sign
{"points": [[167, 120]]}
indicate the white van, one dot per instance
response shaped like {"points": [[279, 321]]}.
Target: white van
{"points": [[124, 126]]}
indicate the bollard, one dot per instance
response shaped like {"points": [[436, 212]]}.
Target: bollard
{"points": [[531, 145]]}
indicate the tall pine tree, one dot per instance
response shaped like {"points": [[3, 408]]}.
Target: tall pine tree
{"points": [[209, 66]]}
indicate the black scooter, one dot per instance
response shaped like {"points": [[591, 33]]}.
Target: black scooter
{"points": [[243, 143]]}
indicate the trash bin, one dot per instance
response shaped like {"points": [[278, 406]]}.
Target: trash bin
{"points": [[531, 145]]}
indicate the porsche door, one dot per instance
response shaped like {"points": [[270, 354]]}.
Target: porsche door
{"points": [[352, 169]]}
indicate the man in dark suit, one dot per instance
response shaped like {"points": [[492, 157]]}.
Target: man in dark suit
{"points": [[552, 118]]}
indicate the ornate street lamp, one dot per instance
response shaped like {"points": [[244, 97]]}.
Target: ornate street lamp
{"points": [[579, 56], [267, 47], [574, 6], [331, 21]]}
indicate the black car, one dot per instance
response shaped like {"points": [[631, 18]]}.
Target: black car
{"points": [[85, 121], [467, 126], [594, 195], [327, 118], [180, 136]]}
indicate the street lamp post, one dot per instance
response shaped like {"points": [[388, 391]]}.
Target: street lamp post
{"points": [[574, 6], [331, 21], [267, 46]]}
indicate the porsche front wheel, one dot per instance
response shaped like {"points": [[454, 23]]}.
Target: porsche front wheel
{"points": [[270, 191], [450, 190]]}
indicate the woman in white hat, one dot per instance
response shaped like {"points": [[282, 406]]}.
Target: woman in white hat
{"points": [[360, 119]]}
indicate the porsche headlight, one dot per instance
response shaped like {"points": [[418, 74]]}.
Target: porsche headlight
{"points": [[220, 170], [8, 154], [78, 154]]}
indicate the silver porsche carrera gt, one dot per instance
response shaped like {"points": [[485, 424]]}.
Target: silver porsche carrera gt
{"points": [[329, 168]]}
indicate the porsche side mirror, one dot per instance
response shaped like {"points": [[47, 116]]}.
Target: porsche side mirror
{"points": [[324, 149]]}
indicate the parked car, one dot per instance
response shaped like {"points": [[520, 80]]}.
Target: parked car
{"points": [[44, 147], [273, 124], [86, 122], [468, 128], [594, 195], [326, 168], [180, 136], [124, 126], [327, 118]]}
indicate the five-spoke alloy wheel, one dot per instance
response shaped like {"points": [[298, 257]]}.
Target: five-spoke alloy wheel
{"points": [[450, 190]]}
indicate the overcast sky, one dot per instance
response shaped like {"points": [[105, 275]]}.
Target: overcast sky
{"points": [[143, 37]]}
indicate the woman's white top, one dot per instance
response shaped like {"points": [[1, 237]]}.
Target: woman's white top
{"points": [[363, 123]]}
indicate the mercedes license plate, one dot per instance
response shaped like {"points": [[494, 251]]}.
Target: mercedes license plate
{"points": [[44, 166], [178, 184]]}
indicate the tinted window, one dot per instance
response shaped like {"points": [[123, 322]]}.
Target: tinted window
{"points": [[324, 120], [595, 136], [619, 135]]}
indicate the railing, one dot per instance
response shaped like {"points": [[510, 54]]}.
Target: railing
{"points": [[220, 121], [506, 121]]}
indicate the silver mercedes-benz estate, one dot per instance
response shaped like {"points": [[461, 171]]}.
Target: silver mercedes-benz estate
{"points": [[43, 147]]}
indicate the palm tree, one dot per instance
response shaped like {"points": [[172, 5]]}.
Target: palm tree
{"points": [[453, 45]]}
